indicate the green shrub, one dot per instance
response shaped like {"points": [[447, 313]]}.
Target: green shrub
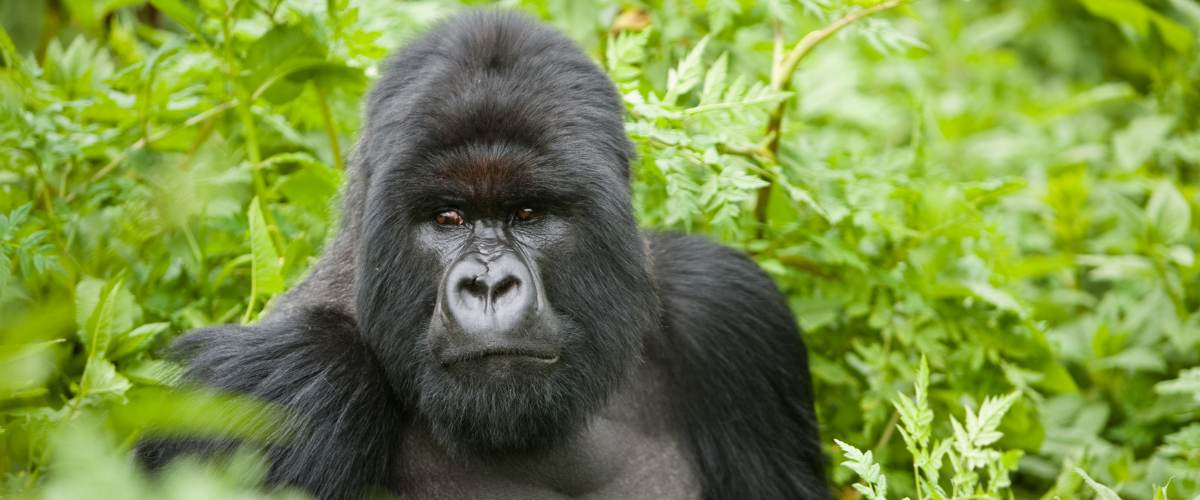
{"points": [[1003, 189]]}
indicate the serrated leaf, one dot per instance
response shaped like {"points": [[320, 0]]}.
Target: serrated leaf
{"points": [[721, 13], [737, 89], [863, 463], [916, 418], [687, 74], [984, 424], [266, 268], [714, 80], [625, 52]]}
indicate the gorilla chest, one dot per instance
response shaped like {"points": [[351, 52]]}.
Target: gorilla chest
{"points": [[627, 451], [610, 459]]}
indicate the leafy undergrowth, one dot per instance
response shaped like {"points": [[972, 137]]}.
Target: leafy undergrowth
{"points": [[982, 214]]}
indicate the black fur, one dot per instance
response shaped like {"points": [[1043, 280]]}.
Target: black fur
{"points": [[739, 371], [498, 108]]}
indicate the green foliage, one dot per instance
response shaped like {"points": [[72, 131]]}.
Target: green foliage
{"points": [[964, 453], [964, 198]]}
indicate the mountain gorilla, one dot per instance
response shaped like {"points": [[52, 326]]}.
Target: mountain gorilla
{"points": [[491, 323]]}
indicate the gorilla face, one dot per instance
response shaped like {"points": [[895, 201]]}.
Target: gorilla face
{"points": [[501, 278], [512, 309]]}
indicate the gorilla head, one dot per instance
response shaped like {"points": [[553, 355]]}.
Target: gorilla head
{"points": [[501, 278]]}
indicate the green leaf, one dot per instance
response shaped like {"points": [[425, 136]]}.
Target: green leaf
{"points": [[1169, 213], [916, 418], [101, 381], [104, 310], [113, 311], [267, 275], [864, 465], [24, 368], [982, 426], [275, 56], [624, 54], [996, 297], [199, 412], [1136, 359], [154, 372], [687, 75], [1135, 15], [181, 13], [1102, 491], [1163, 492], [721, 13], [138, 339], [714, 80], [308, 189], [313, 186], [1134, 145], [1188, 383], [87, 296], [331, 75]]}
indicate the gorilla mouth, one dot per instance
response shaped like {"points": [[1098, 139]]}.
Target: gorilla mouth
{"points": [[539, 356]]}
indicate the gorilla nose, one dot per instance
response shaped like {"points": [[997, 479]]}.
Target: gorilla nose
{"points": [[490, 297], [489, 289]]}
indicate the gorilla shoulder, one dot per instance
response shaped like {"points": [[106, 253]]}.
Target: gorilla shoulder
{"points": [[703, 280], [738, 369]]}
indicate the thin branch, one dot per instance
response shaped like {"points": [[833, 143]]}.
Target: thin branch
{"points": [[888, 431], [784, 71], [330, 128], [146, 141], [810, 266], [776, 46], [781, 77], [756, 152]]}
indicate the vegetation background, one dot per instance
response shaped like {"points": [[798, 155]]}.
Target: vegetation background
{"points": [[982, 213]]}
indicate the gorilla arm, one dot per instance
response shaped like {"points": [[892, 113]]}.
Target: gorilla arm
{"points": [[338, 437]]}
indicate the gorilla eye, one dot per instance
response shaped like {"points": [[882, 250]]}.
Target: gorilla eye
{"points": [[527, 214], [449, 217]]}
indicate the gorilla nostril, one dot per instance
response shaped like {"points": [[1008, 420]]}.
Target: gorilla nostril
{"points": [[474, 286], [505, 285]]}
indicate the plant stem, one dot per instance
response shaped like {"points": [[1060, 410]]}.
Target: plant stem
{"points": [[244, 102], [781, 75], [330, 129], [146, 141], [250, 306], [781, 78]]}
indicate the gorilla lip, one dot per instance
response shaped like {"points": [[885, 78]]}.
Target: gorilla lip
{"points": [[538, 356]]}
